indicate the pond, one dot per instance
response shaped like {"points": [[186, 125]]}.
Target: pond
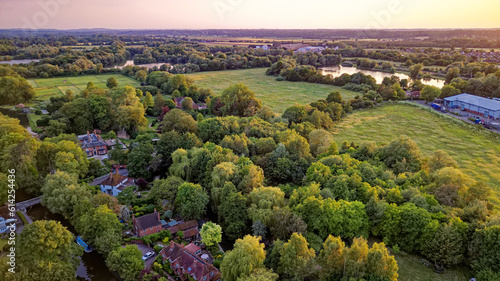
{"points": [[131, 62], [336, 71], [25, 61], [23, 118], [92, 266]]}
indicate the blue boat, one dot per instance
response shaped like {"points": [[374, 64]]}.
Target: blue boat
{"points": [[85, 246]]}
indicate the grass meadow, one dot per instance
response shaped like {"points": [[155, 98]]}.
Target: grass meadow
{"points": [[279, 95], [478, 155], [45, 88]]}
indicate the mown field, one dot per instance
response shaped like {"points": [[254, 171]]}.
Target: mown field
{"points": [[279, 95], [46, 88], [478, 155]]}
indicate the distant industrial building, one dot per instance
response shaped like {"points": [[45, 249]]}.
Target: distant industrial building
{"points": [[477, 105]]}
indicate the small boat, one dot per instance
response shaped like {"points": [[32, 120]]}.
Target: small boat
{"points": [[85, 246]]}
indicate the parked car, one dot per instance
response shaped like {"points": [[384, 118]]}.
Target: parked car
{"points": [[148, 255]]}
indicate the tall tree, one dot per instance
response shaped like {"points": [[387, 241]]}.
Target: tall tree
{"points": [[46, 249], [127, 261], [296, 258], [191, 201], [247, 255], [211, 233], [239, 100]]}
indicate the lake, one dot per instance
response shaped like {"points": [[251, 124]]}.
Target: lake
{"points": [[23, 118], [26, 61], [379, 76], [131, 62]]}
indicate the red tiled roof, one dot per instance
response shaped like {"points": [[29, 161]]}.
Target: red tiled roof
{"points": [[189, 263], [192, 248], [113, 180]]}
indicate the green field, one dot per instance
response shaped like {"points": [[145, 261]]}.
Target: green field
{"points": [[278, 95], [45, 88], [478, 155]]}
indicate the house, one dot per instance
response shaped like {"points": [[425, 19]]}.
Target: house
{"points": [[476, 105], [193, 248], [187, 264], [93, 144], [263, 47], [148, 224], [189, 229], [23, 108], [113, 184]]}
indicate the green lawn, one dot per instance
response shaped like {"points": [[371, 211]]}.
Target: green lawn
{"points": [[277, 95], [46, 88], [478, 155]]}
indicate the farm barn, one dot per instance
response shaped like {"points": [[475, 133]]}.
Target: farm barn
{"points": [[475, 104]]}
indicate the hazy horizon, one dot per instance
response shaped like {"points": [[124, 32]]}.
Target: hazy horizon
{"points": [[245, 14]]}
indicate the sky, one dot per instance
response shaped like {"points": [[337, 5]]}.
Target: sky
{"points": [[254, 14]]}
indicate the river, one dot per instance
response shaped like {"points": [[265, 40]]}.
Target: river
{"points": [[92, 266], [131, 62], [26, 61], [336, 71]]}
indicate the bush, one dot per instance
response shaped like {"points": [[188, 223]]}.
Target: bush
{"points": [[395, 249], [157, 248]]}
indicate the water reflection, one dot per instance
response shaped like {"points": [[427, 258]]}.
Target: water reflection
{"points": [[131, 62], [26, 61], [336, 71]]}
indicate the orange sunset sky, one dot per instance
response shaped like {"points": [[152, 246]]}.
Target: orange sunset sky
{"points": [[201, 14]]}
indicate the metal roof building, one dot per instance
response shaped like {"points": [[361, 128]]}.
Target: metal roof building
{"points": [[478, 105]]}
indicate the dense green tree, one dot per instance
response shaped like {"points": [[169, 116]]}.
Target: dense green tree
{"points": [[430, 93], [484, 249], [402, 155], [284, 222], [14, 90], [211, 234], [179, 121], [127, 261], [187, 103], [260, 274], [232, 211], [111, 82], [139, 160], [295, 114], [447, 246], [297, 258], [415, 71], [332, 258], [46, 249], [247, 255], [61, 192], [239, 100], [191, 201], [99, 226], [165, 189], [263, 201]]}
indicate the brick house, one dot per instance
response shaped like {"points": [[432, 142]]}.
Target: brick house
{"points": [[148, 224], [186, 263], [93, 144]]}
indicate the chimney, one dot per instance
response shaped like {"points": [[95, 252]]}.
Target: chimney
{"points": [[95, 132], [158, 215]]}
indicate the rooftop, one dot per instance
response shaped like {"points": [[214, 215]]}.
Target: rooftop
{"points": [[148, 221], [489, 104]]}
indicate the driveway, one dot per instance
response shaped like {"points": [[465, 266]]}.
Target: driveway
{"points": [[144, 249]]}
